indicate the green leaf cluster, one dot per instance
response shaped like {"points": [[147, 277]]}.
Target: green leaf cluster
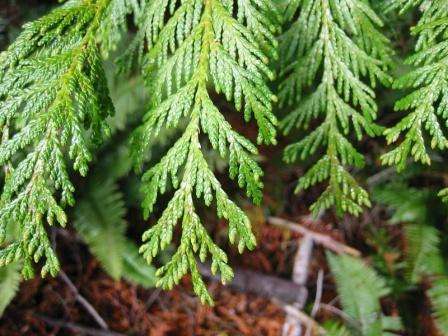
{"points": [[200, 60], [54, 106]]}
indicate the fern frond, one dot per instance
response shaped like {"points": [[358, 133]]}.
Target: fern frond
{"points": [[9, 284], [99, 220], [203, 48], [360, 289], [422, 256], [53, 100], [428, 101], [336, 329], [326, 53], [409, 204], [135, 269], [438, 295]]}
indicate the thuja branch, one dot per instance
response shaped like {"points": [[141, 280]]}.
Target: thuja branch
{"points": [[203, 48], [54, 102], [328, 50]]}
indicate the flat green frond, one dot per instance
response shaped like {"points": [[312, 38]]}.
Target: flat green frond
{"points": [[53, 105], [423, 255], [438, 294], [335, 51], [334, 328], [409, 204], [427, 104], [9, 284], [197, 49], [99, 220], [360, 289], [135, 269]]}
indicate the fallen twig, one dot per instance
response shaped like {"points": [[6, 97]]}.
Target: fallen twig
{"points": [[76, 327], [317, 237], [86, 304], [293, 326], [336, 311], [317, 298], [319, 288], [154, 296], [302, 317]]}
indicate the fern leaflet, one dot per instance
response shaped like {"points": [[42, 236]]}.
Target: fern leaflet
{"points": [[99, 221], [362, 304], [9, 284], [438, 294]]}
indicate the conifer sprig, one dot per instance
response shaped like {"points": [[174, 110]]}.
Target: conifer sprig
{"points": [[53, 101], [325, 54], [202, 48], [428, 100]]}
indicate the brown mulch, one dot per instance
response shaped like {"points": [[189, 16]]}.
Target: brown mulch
{"points": [[131, 310]]}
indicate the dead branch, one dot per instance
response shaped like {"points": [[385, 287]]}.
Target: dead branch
{"points": [[293, 325], [317, 298], [263, 285], [336, 311]]}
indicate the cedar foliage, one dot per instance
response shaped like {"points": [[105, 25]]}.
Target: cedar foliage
{"points": [[332, 57], [199, 50], [201, 60], [53, 89], [427, 102], [55, 101]]}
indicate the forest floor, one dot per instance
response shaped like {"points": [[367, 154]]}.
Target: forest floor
{"points": [[53, 307], [50, 307], [72, 303]]}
